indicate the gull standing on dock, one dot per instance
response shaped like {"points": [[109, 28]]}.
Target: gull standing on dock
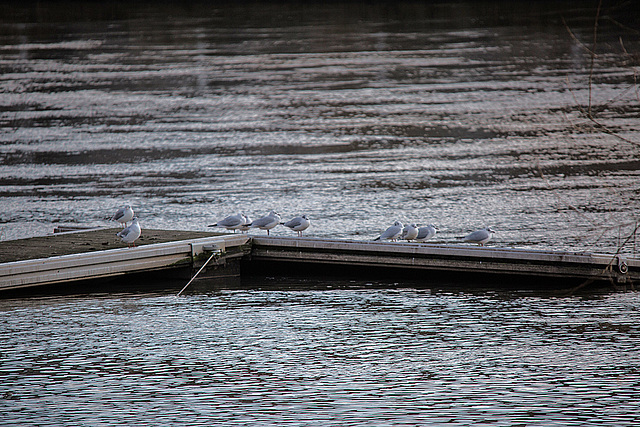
{"points": [[245, 226], [232, 222], [123, 215], [480, 236], [298, 224], [267, 222], [426, 233], [409, 232], [130, 234], [392, 232]]}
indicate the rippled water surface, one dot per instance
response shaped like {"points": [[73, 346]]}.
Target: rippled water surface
{"points": [[458, 114], [332, 357]]}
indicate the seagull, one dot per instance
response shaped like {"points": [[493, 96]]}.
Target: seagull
{"points": [[392, 232], [245, 226], [425, 233], [232, 222], [298, 224], [267, 222], [480, 236], [123, 215], [131, 233], [409, 232]]}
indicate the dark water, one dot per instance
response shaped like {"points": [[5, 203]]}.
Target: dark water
{"points": [[458, 114], [342, 357]]}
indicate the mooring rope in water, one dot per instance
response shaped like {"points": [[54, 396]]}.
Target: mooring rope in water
{"points": [[201, 268]]}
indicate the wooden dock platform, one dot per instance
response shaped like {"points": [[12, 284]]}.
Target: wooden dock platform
{"points": [[98, 254], [83, 240], [449, 262]]}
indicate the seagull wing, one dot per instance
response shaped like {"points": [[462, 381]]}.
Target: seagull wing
{"points": [[124, 233], [390, 232], [231, 221], [119, 214], [423, 232], [261, 222], [476, 236], [295, 222]]}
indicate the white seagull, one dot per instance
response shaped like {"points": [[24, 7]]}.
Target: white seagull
{"points": [[232, 222], [409, 232], [245, 226], [298, 224], [123, 215], [267, 222], [392, 232], [130, 234], [425, 233], [480, 236]]}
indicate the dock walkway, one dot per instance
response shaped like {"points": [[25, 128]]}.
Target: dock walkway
{"points": [[98, 254], [449, 260], [86, 240]]}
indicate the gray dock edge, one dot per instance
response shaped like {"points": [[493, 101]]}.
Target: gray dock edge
{"points": [[449, 260], [91, 266], [252, 253]]}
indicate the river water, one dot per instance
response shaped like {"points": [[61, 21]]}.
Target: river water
{"points": [[459, 114], [317, 358], [464, 115]]}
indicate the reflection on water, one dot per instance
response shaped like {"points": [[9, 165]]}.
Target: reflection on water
{"points": [[347, 357], [458, 114]]}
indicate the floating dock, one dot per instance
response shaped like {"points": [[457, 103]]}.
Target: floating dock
{"points": [[96, 255], [444, 263], [90, 256]]}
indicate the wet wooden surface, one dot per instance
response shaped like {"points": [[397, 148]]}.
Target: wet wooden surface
{"points": [[86, 241]]}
